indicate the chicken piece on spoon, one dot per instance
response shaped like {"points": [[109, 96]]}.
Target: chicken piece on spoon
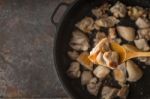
{"points": [[100, 59], [111, 59], [102, 46]]}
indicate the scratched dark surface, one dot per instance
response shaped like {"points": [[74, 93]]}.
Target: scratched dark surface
{"points": [[26, 43]]}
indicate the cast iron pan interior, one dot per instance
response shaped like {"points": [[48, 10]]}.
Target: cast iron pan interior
{"points": [[75, 13]]}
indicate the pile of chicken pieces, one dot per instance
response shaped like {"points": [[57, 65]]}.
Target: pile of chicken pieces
{"points": [[85, 61]]}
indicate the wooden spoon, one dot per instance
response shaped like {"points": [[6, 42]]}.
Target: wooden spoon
{"points": [[126, 54]]}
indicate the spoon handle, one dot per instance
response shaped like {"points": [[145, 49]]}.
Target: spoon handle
{"points": [[130, 55]]}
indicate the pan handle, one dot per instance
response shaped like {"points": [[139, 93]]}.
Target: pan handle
{"points": [[55, 11]]}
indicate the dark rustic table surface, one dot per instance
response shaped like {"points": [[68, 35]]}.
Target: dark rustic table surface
{"points": [[26, 43]]}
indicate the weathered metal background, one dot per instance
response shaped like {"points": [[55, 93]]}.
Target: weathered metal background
{"points": [[26, 43]]}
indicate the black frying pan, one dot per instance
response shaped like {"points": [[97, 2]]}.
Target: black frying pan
{"points": [[75, 12]]}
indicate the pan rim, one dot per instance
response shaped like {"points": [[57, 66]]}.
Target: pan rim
{"points": [[64, 86]]}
